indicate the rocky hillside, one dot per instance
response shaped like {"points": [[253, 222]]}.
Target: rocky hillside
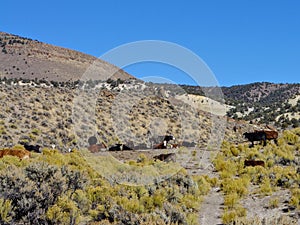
{"points": [[67, 114], [264, 103], [25, 58]]}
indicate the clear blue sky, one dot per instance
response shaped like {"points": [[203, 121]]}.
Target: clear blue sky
{"points": [[242, 41]]}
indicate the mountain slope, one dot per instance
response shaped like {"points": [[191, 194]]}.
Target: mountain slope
{"points": [[278, 104], [26, 58]]}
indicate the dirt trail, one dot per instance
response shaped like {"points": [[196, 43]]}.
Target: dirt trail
{"points": [[211, 208]]}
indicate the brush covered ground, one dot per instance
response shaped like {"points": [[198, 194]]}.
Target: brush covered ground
{"points": [[73, 188], [129, 187], [61, 113]]}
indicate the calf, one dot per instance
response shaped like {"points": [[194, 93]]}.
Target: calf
{"points": [[22, 154], [169, 157], [254, 163]]}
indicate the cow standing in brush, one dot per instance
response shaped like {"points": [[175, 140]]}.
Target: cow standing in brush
{"points": [[261, 135]]}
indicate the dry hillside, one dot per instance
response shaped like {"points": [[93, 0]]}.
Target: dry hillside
{"points": [[25, 58]]}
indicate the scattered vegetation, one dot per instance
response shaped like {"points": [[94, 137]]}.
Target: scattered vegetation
{"points": [[281, 172]]}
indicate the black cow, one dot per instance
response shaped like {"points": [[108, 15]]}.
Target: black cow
{"points": [[32, 148], [119, 147], [256, 136], [262, 135], [168, 138]]}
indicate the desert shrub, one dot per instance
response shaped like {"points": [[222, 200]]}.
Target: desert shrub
{"points": [[290, 137], [273, 203], [31, 191], [231, 215], [295, 198], [64, 212], [5, 211], [235, 185], [265, 187], [203, 183], [231, 200], [36, 187], [81, 199]]}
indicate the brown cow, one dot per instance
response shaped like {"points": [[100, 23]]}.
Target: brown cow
{"points": [[254, 163], [97, 147], [166, 157], [161, 145], [271, 134], [22, 154]]}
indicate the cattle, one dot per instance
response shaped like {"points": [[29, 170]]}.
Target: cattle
{"points": [[32, 148], [254, 163], [119, 147], [169, 157], [165, 140], [21, 153], [97, 147], [168, 138], [261, 135], [271, 135], [161, 145]]}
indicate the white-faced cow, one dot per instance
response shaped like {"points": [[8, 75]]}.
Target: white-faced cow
{"points": [[164, 143]]}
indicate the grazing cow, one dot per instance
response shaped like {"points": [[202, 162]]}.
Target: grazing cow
{"points": [[22, 154], [32, 148], [261, 135], [169, 157], [119, 147], [254, 163]]}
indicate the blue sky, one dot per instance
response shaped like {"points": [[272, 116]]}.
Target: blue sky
{"points": [[242, 41]]}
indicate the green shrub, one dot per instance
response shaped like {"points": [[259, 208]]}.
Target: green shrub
{"points": [[5, 211]]}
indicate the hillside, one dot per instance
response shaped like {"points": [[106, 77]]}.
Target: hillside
{"points": [[48, 113], [25, 58], [265, 103], [43, 103]]}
